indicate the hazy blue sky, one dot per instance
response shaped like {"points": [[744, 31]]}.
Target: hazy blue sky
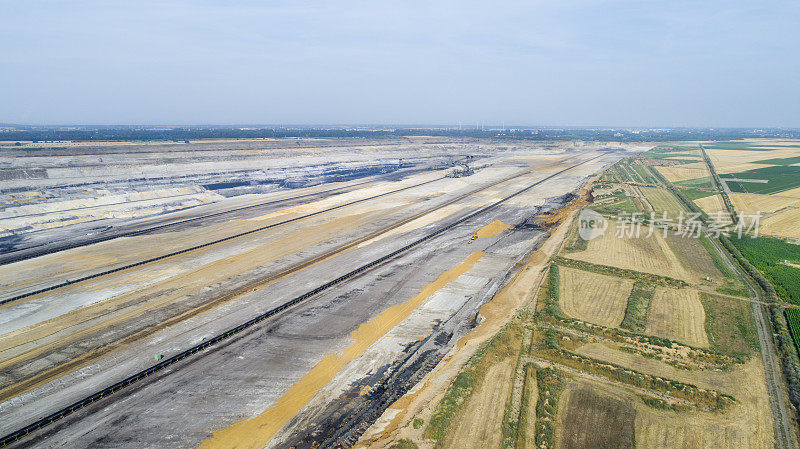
{"points": [[558, 62]]}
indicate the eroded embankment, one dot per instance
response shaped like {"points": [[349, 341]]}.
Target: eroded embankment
{"points": [[420, 403]]}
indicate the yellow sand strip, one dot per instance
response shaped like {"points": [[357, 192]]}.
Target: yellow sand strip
{"points": [[492, 229], [256, 433]]}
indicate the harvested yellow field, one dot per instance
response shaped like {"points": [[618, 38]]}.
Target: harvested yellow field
{"points": [[782, 224], [773, 142], [780, 214], [662, 201], [791, 193], [662, 430], [648, 255], [750, 203], [737, 167], [732, 161], [749, 424], [694, 256], [776, 147], [712, 205], [481, 424], [677, 173], [678, 314], [593, 297], [751, 155], [593, 417]]}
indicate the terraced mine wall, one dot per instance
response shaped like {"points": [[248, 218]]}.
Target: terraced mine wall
{"points": [[60, 185]]}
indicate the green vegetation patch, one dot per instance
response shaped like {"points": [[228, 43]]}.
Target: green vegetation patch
{"points": [[638, 306], [549, 382], [527, 415], [620, 272], [733, 290], [767, 255], [661, 404], [405, 443], [793, 318], [458, 393], [779, 177], [704, 182], [575, 242], [692, 194], [553, 293], [730, 325], [620, 173]]}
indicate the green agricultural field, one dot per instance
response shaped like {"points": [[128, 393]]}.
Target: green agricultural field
{"points": [[780, 161], [780, 177], [767, 254], [695, 194], [793, 318], [660, 153], [697, 183]]}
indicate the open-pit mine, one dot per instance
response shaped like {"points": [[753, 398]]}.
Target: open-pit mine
{"points": [[264, 293]]}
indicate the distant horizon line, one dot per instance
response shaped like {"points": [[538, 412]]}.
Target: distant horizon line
{"points": [[382, 126]]}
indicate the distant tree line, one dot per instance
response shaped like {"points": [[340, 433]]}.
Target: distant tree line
{"points": [[188, 134]]}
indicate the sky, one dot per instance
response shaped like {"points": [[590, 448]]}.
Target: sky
{"points": [[637, 63]]}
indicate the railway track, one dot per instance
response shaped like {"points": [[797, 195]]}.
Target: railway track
{"points": [[144, 374]]}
